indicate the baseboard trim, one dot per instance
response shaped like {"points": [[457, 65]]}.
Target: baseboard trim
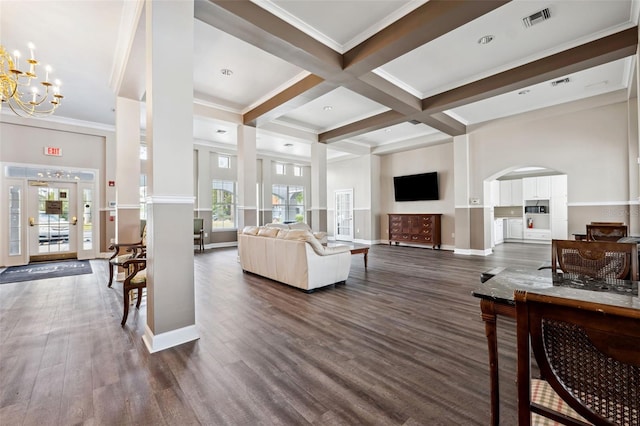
{"points": [[160, 342], [472, 252], [221, 245]]}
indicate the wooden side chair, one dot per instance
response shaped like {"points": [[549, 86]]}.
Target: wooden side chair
{"points": [[136, 279], [606, 232], [602, 259], [588, 355], [198, 232], [125, 251]]}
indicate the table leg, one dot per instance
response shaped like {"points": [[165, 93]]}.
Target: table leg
{"points": [[366, 255], [489, 318]]}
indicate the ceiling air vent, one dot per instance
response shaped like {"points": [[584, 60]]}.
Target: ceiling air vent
{"points": [[561, 81], [537, 17], [414, 122]]}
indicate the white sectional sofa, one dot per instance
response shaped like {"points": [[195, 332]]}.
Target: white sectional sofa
{"points": [[293, 257]]}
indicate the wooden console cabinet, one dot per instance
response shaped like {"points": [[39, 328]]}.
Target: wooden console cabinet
{"points": [[415, 229]]}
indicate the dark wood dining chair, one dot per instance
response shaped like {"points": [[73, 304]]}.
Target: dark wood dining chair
{"points": [[136, 280], [588, 355], [125, 251], [597, 259], [198, 232]]}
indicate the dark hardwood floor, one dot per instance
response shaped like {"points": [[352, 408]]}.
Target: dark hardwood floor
{"points": [[402, 343]]}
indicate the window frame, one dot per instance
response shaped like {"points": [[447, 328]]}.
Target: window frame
{"points": [[232, 206], [287, 208]]}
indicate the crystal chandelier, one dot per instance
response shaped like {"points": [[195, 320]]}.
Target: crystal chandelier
{"points": [[20, 89]]}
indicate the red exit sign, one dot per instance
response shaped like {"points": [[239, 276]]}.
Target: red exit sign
{"points": [[52, 150]]}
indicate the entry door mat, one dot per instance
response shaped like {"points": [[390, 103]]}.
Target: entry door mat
{"points": [[41, 271]]}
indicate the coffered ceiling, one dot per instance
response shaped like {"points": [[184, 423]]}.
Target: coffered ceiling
{"points": [[362, 76]]}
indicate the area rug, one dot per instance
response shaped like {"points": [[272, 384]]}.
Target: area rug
{"points": [[41, 271]]}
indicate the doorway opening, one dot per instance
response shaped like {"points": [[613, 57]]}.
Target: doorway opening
{"points": [[50, 214], [344, 215]]}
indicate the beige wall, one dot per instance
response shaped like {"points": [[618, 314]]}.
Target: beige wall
{"points": [[593, 142], [23, 141], [25, 144], [587, 140], [588, 145], [362, 175], [438, 158]]}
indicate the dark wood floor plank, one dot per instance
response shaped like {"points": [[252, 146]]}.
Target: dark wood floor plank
{"points": [[402, 343]]}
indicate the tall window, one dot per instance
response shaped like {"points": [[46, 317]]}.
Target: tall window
{"points": [[288, 203], [224, 204]]}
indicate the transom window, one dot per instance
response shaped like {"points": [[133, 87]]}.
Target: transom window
{"points": [[279, 169], [224, 162], [297, 170]]}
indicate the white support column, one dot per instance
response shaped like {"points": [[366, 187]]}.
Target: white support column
{"points": [[319, 186], [247, 177], [127, 170], [170, 282], [461, 196]]}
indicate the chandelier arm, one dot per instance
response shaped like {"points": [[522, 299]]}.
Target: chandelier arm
{"points": [[13, 80]]}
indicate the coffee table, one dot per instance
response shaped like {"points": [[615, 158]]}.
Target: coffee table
{"points": [[363, 250], [354, 250]]}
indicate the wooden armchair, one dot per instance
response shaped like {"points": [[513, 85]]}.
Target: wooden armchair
{"points": [[595, 259], [125, 251], [136, 279], [589, 356], [606, 231], [198, 232]]}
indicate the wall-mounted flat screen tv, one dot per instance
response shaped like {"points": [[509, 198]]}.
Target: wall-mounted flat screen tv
{"points": [[419, 187]]}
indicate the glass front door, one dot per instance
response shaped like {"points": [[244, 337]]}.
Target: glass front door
{"points": [[344, 215], [53, 221]]}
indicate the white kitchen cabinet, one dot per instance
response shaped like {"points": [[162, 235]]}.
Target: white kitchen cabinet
{"points": [[536, 188], [515, 228], [498, 231], [511, 192], [495, 193], [537, 234]]}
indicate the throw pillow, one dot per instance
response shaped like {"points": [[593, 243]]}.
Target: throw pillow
{"points": [[268, 232], [250, 230], [277, 225], [297, 235], [300, 225]]}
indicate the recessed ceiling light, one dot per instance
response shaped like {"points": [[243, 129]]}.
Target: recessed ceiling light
{"points": [[226, 71], [327, 108], [388, 130], [221, 131], [524, 92], [485, 39], [288, 145]]}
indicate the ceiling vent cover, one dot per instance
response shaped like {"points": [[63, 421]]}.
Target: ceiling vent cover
{"points": [[537, 17], [415, 122], [561, 81]]}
